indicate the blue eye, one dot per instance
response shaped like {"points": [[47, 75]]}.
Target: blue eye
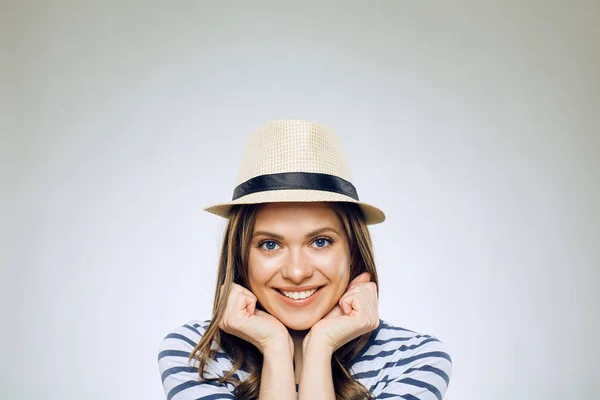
{"points": [[270, 245], [322, 242]]}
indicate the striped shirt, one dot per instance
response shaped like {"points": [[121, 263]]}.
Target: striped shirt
{"points": [[396, 363]]}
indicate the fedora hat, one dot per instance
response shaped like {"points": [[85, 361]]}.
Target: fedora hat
{"points": [[294, 161]]}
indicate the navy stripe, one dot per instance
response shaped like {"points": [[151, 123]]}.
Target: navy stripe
{"points": [[403, 361], [383, 381], [401, 348], [190, 384], [429, 368], [217, 396], [405, 396], [370, 374], [176, 370], [181, 337], [370, 342], [196, 331], [381, 342], [180, 353], [174, 353], [374, 356], [417, 345], [396, 328], [385, 353], [183, 386], [206, 323], [424, 385], [407, 360]]}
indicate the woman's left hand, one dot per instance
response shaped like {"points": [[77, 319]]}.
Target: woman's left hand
{"points": [[355, 314]]}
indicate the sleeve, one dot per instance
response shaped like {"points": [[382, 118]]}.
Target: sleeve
{"points": [[421, 375], [180, 378]]}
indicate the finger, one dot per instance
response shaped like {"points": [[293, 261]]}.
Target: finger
{"points": [[350, 305], [248, 303], [346, 306], [251, 307], [244, 291], [362, 278], [372, 286], [349, 302], [238, 302]]}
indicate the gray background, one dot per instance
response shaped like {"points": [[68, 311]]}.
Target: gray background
{"points": [[473, 124]]}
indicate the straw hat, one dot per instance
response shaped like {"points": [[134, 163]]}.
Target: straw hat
{"points": [[294, 161]]}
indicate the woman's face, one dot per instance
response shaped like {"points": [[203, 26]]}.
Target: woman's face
{"points": [[298, 247]]}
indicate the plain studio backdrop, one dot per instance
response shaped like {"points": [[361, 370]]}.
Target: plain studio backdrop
{"points": [[473, 125]]}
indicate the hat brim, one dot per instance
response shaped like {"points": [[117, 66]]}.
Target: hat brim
{"points": [[373, 215]]}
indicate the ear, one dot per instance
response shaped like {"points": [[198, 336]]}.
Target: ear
{"points": [[362, 278]]}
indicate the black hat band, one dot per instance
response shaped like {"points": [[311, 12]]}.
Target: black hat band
{"points": [[296, 180]]}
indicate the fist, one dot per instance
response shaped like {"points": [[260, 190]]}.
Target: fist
{"points": [[355, 314], [242, 319]]}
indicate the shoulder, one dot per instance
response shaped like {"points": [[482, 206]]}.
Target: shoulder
{"points": [[179, 343], [193, 328], [183, 339], [397, 358], [179, 375]]}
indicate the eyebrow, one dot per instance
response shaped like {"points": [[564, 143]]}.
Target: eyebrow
{"points": [[279, 237]]}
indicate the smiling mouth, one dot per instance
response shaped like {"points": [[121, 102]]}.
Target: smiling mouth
{"points": [[299, 295]]}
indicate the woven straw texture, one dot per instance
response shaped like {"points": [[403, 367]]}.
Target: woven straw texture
{"points": [[294, 146]]}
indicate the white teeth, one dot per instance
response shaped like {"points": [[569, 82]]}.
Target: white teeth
{"points": [[299, 295]]}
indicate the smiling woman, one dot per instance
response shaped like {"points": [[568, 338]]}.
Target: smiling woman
{"points": [[297, 286], [285, 277]]}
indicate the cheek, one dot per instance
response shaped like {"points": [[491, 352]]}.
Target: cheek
{"points": [[260, 269], [335, 262], [261, 262], [337, 267]]}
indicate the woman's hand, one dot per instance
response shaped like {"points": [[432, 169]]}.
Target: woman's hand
{"points": [[260, 328], [355, 314]]}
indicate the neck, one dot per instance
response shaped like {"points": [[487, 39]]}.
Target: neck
{"points": [[297, 338]]}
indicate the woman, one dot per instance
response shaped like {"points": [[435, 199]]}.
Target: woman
{"points": [[295, 311]]}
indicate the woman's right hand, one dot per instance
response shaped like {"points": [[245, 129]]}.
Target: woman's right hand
{"points": [[242, 319]]}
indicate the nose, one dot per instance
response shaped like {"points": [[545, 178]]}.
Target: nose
{"points": [[298, 267]]}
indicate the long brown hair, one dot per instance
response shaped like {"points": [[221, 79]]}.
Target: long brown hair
{"points": [[233, 268]]}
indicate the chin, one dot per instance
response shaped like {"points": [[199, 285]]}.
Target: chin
{"points": [[298, 324]]}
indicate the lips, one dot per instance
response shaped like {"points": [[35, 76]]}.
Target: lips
{"points": [[297, 288], [299, 295], [299, 302]]}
